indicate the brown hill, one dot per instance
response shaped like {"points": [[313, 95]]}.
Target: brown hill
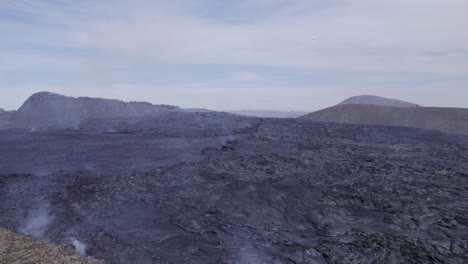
{"points": [[453, 120], [19, 249], [377, 100]]}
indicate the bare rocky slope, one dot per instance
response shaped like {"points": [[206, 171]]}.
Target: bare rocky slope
{"points": [[453, 120], [377, 100], [48, 110], [18, 249]]}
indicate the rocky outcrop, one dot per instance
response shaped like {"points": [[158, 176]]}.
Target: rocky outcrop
{"points": [[453, 120], [377, 100], [46, 109]]}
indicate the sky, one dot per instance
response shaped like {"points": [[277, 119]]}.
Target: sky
{"points": [[244, 54]]}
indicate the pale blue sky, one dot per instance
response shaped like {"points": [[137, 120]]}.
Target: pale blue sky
{"points": [[246, 54]]}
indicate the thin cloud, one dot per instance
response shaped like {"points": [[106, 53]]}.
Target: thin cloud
{"points": [[95, 40]]}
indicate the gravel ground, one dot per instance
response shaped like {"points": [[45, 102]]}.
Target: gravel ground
{"points": [[18, 249]]}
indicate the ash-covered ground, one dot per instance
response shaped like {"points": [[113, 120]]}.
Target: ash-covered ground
{"points": [[229, 189]]}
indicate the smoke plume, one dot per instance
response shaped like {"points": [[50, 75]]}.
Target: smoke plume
{"points": [[37, 221]]}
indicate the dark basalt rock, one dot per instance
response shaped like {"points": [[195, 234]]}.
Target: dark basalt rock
{"points": [[274, 191]]}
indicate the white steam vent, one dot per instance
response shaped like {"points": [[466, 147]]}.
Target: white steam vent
{"points": [[36, 222], [79, 247]]}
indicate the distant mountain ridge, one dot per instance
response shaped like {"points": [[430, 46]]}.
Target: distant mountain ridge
{"points": [[452, 120], [45, 108], [268, 113], [377, 100]]}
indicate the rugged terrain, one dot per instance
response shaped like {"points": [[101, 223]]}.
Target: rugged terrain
{"points": [[230, 189], [452, 120]]}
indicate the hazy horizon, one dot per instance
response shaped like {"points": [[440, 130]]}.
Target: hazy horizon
{"points": [[188, 107], [299, 55]]}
